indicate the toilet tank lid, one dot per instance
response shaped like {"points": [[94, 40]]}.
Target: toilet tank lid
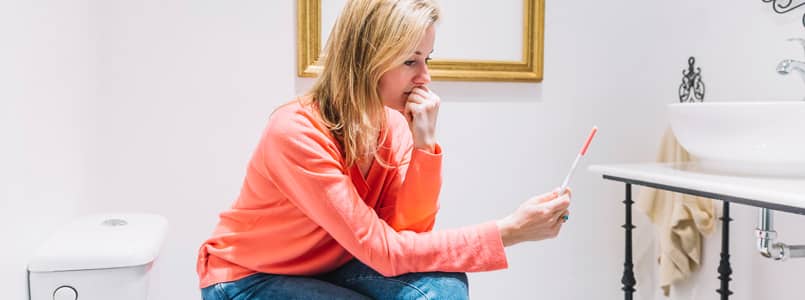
{"points": [[102, 241]]}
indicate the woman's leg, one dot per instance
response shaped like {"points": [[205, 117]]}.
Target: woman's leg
{"points": [[431, 285], [267, 286]]}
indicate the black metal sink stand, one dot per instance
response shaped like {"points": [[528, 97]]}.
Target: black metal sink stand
{"points": [[724, 268]]}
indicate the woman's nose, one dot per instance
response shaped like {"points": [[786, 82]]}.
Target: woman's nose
{"points": [[423, 76]]}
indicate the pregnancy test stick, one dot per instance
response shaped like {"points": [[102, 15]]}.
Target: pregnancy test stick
{"points": [[576, 162]]}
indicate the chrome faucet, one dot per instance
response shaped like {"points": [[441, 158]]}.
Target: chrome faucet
{"points": [[785, 66], [788, 65]]}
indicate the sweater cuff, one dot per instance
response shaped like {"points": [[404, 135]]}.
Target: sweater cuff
{"points": [[437, 150], [493, 246], [427, 159]]}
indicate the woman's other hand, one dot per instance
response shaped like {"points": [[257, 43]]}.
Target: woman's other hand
{"points": [[536, 219], [421, 110]]}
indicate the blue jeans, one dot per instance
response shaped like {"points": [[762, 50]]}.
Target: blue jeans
{"points": [[354, 280]]}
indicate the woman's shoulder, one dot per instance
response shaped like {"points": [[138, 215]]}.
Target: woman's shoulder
{"points": [[294, 118], [294, 132], [290, 109]]}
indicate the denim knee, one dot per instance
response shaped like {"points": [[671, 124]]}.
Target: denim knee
{"points": [[433, 286], [448, 286], [213, 292]]}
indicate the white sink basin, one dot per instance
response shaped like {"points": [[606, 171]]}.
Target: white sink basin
{"points": [[743, 138]]}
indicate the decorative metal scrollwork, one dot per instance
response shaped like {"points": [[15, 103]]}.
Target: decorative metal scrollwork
{"points": [[784, 6], [692, 87]]}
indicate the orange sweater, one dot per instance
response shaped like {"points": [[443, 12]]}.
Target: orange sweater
{"points": [[301, 211]]}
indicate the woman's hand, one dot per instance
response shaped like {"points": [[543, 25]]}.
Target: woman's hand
{"points": [[536, 219], [421, 110]]}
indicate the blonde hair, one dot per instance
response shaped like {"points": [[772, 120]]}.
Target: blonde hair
{"points": [[369, 38]]}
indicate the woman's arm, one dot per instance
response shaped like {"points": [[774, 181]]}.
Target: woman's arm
{"points": [[410, 200], [303, 166]]}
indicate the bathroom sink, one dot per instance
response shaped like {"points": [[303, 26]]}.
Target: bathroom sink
{"points": [[764, 139]]}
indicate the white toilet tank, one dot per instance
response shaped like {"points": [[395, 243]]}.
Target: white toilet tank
{"points": [[98, 257]]}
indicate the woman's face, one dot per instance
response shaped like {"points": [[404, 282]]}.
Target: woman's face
{"points": [[396, 84]]}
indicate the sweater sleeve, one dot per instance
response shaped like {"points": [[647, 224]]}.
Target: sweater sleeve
{"points": [[411, 200], [303, 165]]}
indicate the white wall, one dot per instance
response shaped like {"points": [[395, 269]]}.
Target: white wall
{"points": [[46, 82], [185, 89], [180, 90]]}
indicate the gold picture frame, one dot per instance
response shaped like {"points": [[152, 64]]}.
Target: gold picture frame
{"points": [[529, 69]]}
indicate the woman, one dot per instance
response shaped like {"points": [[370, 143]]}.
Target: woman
{"points": [[340, 195]]}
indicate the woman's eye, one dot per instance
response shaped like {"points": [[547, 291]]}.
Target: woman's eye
{"points": [[409, 62]]}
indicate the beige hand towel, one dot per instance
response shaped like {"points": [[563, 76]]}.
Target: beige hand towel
{"points": [[679, 220]]}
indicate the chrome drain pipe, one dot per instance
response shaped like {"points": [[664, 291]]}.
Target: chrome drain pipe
{"points": [[765, 239]]}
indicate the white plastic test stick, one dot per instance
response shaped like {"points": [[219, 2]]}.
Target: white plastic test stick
{"points": [[583, 151]]}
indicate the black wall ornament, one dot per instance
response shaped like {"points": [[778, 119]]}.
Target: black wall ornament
{"points": [[692, 87], [784, 6]]}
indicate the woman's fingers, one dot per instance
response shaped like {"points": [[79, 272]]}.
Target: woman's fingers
{"points": [[568, 191], [421, 109], [415, 97], [562, 216], [544, 198], [557, 204], [422, 95], [413, 108], [541, 217], [422, 90]]}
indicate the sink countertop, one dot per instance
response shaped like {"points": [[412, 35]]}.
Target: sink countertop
{"points": [[786, 194]]}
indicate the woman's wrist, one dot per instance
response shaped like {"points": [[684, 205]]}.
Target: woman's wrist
{"points": [[429, 147], [506, 232]]}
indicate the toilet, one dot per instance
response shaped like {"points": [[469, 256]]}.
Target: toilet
{"points": [[98, 257]]}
